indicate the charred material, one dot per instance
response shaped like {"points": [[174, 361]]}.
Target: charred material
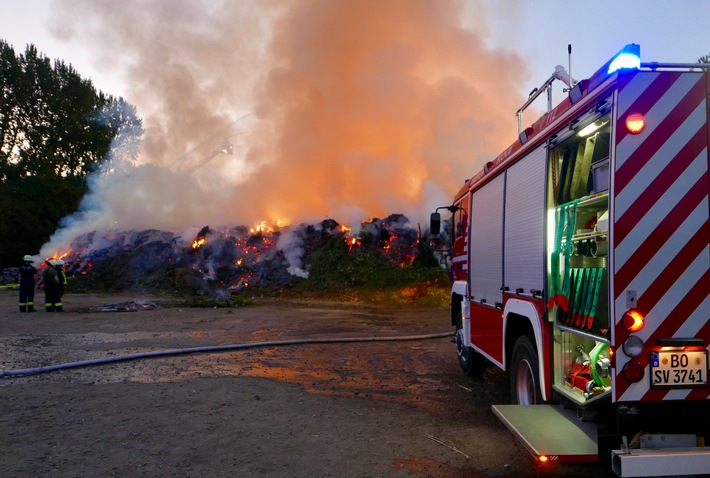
{"points": [[221, 261]]}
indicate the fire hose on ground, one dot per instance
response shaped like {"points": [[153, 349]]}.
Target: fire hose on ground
{"points": [[212, 349]]}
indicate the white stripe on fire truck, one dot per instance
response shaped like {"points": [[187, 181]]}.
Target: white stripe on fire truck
{"points": [[668, 252], [670, 275], [647, 145], [635, 88], [674, 295], [659, 111], [635, 390], [645, 101], [667, 328], [649, 172], [696, 193], [652, 245], [676, 394], [692, 327], [671, 297], [666, 205]]}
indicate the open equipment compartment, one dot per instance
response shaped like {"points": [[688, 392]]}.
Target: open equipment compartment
{"points": [[578, 243]]}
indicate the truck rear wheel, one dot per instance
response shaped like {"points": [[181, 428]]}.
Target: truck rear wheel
{"points": [[471, 362], [524, 373]]}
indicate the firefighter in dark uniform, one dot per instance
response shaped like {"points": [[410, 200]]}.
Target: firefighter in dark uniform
{"points": [[62, 276], [52, 300], [27, 284]]}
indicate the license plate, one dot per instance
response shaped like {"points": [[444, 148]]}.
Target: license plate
{"points": [[679, 369]]}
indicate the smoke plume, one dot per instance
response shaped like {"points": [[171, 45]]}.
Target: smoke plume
{"points": [[293, 111]]}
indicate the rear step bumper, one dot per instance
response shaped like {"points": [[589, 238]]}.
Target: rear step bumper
{"points": [[661, 462], [551, 432]]}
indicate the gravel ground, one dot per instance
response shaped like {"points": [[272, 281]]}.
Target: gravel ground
{"points": [[374, 409]]}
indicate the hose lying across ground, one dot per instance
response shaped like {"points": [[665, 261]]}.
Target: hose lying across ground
{"points": [[212, 349]]}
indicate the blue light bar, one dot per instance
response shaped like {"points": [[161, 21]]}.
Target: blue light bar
{"points": [[628, 58]]}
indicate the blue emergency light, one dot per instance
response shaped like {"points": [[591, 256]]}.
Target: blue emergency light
{"points": [[626, 60], [629, 58]]}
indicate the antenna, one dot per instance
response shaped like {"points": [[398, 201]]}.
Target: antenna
{"points": [[569, 67]]}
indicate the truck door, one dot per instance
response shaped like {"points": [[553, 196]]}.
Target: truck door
{"points": [[487, 269]]}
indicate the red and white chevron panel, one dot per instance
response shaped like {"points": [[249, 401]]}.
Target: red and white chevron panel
{"points": [[661, 233]]}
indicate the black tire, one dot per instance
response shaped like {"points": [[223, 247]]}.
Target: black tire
{"points": [[471, 362], [524, 373]]}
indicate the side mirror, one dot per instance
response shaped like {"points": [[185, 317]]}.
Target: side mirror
{"points": [[435, 224]]}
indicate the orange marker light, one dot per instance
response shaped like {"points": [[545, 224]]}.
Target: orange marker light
{"points": [[543, 458], [633, 320], [635, 123]]}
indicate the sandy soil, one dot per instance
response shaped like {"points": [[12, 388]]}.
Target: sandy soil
{"points": [[374, 409]]}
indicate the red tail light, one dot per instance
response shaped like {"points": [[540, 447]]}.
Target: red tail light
{"points": [[633, 371], [635, 123]]}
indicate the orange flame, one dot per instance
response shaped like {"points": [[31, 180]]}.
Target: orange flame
{"points": [[265, 228], [353, 243]]}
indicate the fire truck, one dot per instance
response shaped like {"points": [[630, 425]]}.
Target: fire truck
{"points": [[580, 266]]}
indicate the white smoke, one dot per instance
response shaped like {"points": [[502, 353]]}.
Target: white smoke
{"points": [[291, 245], [348, 110]]}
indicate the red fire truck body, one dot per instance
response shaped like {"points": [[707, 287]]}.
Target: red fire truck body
{"points": [[581, 264]]}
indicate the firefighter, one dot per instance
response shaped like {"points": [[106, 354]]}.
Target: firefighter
{"points": [[61, 275], [52, 300], [27, 284]]}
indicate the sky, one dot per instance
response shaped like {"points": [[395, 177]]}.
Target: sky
{"points": [[343, 109], [538, 30]]}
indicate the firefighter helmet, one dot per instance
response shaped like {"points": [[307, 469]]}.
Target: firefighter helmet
{"points": [[59, 262], [28, 258], [51, 262]]}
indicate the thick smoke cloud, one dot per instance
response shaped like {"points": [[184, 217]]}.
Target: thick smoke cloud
{"points": [[342, 109]]}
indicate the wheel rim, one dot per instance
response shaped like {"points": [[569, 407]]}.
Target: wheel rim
{"points": [[525, 383]]}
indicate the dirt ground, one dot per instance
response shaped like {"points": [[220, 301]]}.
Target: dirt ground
{"points": [[373, 409]]}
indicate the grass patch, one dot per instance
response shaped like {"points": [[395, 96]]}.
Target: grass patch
{"points": [[365, 275]]}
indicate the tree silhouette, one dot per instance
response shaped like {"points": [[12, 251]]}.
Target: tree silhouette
{"points": [[55, 129]]}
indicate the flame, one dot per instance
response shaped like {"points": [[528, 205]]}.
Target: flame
{"points": [[63, 255], [353, 243], [263, 227], [237, 253], [57, 255], [86, 269], [391, 241]]}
